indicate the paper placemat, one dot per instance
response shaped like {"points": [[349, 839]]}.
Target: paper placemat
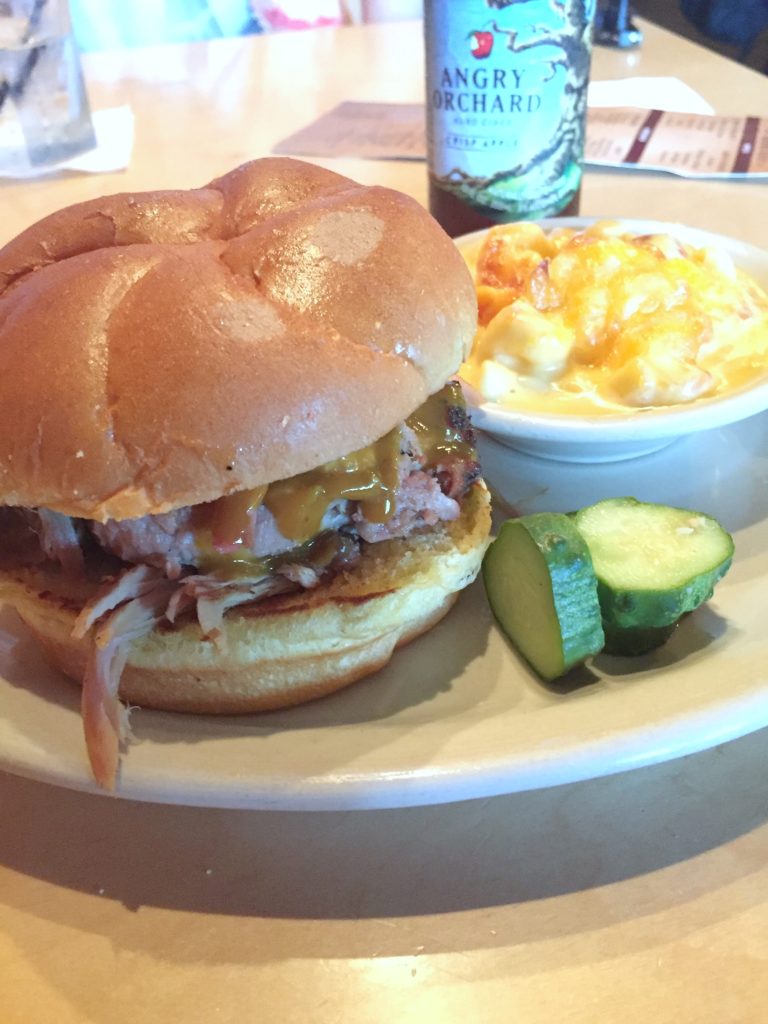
{"points": [[372, 131], [683, 137]]}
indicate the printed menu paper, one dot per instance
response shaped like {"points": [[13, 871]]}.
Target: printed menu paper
{"points": [[692, 145], [687, 144], [373, 131]]}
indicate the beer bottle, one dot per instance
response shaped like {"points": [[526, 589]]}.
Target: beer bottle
{"points": [[506, 94]]}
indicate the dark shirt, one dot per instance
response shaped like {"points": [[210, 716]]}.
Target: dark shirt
{"points": [[737, 23]]}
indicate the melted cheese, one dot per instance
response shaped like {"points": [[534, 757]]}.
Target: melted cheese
{"points": [[369, 476], [601, 321]]}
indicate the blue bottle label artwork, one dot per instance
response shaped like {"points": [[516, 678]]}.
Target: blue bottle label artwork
{"points": [[506, 98]]}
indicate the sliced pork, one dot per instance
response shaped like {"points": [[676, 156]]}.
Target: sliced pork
{"points": [[166, 540], [420, 502]]}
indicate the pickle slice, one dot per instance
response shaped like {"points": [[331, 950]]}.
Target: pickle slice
{"points": [[653, 562], [543, 591]]}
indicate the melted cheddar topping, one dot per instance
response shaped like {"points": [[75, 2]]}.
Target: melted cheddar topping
{"points": [[600, 320], [369, 476]]}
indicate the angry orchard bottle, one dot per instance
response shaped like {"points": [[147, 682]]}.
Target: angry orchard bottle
{"points": [[506, 97]]}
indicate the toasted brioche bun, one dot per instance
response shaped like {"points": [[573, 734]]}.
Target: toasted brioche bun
{"points": [[286, 650], [192, 343]]}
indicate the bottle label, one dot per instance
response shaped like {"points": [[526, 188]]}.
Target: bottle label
{"points": [[506, 101]]}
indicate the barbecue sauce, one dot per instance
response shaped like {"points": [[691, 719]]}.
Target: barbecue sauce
{"points": [[369, 476]]}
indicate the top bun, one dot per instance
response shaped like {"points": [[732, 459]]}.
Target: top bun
{"points": [[160, 349]]}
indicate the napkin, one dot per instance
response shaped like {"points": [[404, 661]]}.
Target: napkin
{"points": [[113, 128], [649, 93]]}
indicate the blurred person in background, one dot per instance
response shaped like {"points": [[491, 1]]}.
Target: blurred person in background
{"points": [[278, 14], [112, 24], [736, 22], [274, 15], [387, 10]]}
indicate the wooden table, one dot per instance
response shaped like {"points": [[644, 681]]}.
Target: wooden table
{"points": [[635, 898]]}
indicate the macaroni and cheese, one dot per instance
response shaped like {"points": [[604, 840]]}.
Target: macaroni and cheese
{"points": [[602, 319]]}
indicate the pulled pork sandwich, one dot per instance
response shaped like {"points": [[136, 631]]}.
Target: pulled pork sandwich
{"points": [[232, 474]]}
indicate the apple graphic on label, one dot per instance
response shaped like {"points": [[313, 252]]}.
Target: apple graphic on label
{"points": [[481, 43]]}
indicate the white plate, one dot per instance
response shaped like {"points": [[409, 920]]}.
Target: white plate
{"points": [[604, 438], [457, 714]]}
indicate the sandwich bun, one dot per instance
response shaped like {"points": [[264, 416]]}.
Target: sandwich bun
{"points": [[161, 349]]}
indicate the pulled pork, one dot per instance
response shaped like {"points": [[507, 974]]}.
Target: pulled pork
{"points": [[163, 573]]}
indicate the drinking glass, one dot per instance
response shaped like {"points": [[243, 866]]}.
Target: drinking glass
{"points": [[44, 113]]}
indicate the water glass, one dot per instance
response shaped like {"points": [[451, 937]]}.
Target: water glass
{"points": [[44, 113]]}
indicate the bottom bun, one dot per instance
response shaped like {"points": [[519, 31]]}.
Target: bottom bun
{"points": [[287, 649]]}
